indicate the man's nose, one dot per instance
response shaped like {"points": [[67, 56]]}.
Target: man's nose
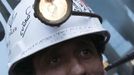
{"points": [[76, 68]]}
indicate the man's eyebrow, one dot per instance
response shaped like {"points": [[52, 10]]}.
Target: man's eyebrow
{"points": [[53, 50]]}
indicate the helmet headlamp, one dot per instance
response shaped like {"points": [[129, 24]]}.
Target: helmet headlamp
{"points": [[56, 12], [53, 12]]}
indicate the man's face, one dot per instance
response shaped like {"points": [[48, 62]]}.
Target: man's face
{"points": [[75, 57]]}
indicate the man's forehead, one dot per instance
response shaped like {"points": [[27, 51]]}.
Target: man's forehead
{"points": [[68, 45]]}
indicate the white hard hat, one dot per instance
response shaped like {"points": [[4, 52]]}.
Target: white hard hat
{"points": [[26, 34]]}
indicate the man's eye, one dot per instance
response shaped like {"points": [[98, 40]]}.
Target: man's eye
{"points": [[85, 53], [53, 60]]}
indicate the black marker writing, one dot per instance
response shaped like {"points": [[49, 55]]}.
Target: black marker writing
{"points": [[25, 23], [10, 23]]}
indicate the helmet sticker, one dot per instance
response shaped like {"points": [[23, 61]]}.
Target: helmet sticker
{"points": [[80, 6]]}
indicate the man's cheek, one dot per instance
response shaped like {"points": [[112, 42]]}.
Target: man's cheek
{"points": [[53, 72], [95, 68]]}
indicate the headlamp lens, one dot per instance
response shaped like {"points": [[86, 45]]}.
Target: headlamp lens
{"points": [[53, 12]]}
